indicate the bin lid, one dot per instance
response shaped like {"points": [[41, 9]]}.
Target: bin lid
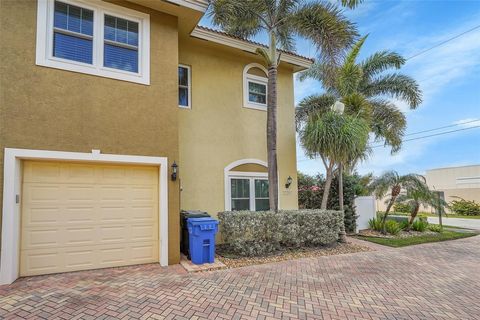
{"points": [[202, 220]]}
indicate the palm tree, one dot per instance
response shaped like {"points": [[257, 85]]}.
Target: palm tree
{"points": [[392, 182], [321, 22], [417, 195], [362, 87], [335, 138]]}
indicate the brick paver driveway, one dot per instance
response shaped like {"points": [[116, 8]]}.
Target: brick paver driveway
{"points": [[431, 281]]}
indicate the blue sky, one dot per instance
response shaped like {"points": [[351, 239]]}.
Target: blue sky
{"points": [[449, 77]]}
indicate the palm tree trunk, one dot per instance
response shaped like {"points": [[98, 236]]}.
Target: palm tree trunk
{"points": [[272, 126], [342, 234], [413, 215], [340, 186], [390, 204], [326, 189]]}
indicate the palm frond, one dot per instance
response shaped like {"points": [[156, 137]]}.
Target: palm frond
{"points": [[388, 123], [241, 19], [324, 24], [351, 3], [326, 73], [314, 104], [380, 62], [395, 85], [338, 138]]}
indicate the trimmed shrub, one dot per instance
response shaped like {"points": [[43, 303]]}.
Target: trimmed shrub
{"points": [[435, 227], [419, 225], [392, 227], [402, 207], [375, 224], [465, 207], [250, 233]]}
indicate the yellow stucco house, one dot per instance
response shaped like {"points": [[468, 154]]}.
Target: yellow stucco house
{"points": [[98, 100]]}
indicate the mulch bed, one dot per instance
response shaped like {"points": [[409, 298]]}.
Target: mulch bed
{"points": [[291, 254], [402, 234]]}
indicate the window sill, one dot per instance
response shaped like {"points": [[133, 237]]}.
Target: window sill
{"points": [[91, 70], [256, 107]]}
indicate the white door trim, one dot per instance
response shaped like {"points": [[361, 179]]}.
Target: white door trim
{"points": [[12, 174]]}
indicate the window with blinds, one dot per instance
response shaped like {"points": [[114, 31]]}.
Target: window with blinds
{"points": [[73, 33], [120, 44], [98, 38]]}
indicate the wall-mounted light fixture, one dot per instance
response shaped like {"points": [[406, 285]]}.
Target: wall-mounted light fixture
{"points": [[174, 171], [289, 182]]}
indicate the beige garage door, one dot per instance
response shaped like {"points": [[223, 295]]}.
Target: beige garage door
{"points": [[85, 216]]}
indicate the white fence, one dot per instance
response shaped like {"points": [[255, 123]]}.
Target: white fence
{"points": [[365, 208]]}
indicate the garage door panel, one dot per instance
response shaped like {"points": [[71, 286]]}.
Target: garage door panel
{"points": [[78, 217], [142, 213], [41, 172], [147, 232]]}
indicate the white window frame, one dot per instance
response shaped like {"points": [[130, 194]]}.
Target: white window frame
{"points": [[44, 46], [189, 86], [247, 78], [251, 176]]}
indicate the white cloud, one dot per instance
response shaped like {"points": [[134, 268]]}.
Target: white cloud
{"points": [[468, 123], [447, 64]]}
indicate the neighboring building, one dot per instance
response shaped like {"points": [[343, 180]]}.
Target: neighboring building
{"points": [[98, 100], [463, 182]]}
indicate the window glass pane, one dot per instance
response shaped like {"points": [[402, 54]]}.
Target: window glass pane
{"points": [[183, 97], [132, 33], [240, 188], [121, 30], [261, 188], [73, 18], [120, 58], [240, 204], [261, 205], [254, 87], [182, 76], [109, 29], [72, 48], [257, 98]]}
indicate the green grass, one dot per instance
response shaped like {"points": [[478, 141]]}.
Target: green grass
{"points": [[450, 215], [402, 242]]}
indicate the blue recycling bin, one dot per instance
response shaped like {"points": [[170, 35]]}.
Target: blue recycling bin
{"points": [[201, 232]]}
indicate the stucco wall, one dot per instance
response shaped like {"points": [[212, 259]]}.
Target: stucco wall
{"points": [[218, 130], [45, 108]]}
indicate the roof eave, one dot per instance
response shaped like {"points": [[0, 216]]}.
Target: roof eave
{"points": [[199, 5], [298, 62]]}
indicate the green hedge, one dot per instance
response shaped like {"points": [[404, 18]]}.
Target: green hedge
{"points": [[249, 233], [465, 207]]}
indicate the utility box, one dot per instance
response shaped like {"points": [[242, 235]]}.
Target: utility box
{"points": [[202, 233]]}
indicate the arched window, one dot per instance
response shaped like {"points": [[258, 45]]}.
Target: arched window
{"points": [[255, 85], [246, 185]]}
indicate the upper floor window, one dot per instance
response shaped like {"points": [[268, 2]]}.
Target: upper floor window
{"points": [[184, 87], [255, 86], [95, 38]]}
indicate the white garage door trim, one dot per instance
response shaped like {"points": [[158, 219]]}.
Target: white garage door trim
{"points": [[10, 254]]}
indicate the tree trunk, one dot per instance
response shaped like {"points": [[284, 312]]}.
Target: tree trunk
{"points": [[326, 189], [390, 204], [342, 236], [395, 192], [272, 128], [340, 186], [413, 215]]}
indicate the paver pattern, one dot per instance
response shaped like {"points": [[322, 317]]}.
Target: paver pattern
{"points": [[430, 281]]}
